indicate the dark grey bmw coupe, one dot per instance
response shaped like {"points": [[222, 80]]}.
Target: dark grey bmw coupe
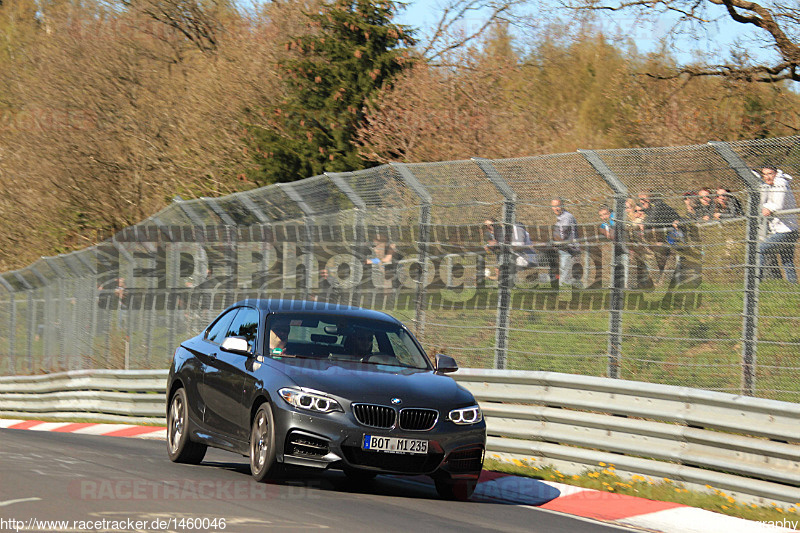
{"points": [[322, 386]]}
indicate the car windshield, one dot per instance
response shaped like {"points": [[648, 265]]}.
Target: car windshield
{"points": [[341, 338]]}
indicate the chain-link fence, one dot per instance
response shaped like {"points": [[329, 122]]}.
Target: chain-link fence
{"points": [[441, 246]]}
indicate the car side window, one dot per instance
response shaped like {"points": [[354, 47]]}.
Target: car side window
{"points": [[245, 325], [216, 333]]}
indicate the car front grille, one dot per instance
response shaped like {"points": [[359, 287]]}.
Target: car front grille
{"points": [[375, 416], [469, 460], [393, 462], [418, 419], [302, 445]]}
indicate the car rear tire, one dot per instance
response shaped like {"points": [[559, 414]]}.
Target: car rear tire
{"points": [[459, 489], [179, 447], [263, 465]]}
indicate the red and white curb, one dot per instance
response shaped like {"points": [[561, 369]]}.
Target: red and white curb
{"points": [[650, 515], [86, 428]]}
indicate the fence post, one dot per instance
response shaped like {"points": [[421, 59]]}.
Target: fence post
{"points": [[31, 316], [12, 325], [308, 251], [505, 280], [253, 208], [424, 239], [190, 213], [71, 338], [751, 278], [359, 224], [221, 213], [47, 320], [94, 296], [617, 302], [61, 314]]}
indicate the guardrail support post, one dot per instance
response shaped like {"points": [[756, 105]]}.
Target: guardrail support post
{"points": [[751, 278], [617, 302], [424, 239], [505, 280]]}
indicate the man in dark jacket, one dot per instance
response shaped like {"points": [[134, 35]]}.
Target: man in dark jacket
{"points": [[657, 213], [659, 219]]}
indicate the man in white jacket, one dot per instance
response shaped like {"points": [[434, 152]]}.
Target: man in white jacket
{"points": [[777, 195]]}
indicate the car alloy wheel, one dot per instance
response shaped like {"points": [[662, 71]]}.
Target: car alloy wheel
{"points": [[176, 422], [179, 447], [262, 444]]}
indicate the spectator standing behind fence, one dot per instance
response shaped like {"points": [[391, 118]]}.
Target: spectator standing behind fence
{"points": [[607, 224], [659, 219], [385, 256], [776, 195], [492, 236], [634, 220], [565, 235], [658, 215], [522, 247], [705, 205], [727, 206], [690, 201]]}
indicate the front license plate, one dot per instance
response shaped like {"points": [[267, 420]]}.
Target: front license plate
{"points": [[394, 445]]}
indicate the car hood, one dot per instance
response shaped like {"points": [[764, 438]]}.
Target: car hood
{"points": [[358, 382]]}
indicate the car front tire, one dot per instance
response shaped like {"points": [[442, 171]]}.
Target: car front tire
{"points": [[179, 447], [262, 445]]}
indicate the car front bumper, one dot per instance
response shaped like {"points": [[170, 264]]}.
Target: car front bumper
{"points": [[334, 440]]}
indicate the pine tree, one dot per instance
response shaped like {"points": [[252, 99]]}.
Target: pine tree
{"points": [[353, 51]]}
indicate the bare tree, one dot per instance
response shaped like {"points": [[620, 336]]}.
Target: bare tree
{"points": [[777, 23], [197, 21], [462, 23]]}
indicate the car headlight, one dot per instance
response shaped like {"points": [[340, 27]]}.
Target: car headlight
{"points": [[311, 401], [466, 415]]}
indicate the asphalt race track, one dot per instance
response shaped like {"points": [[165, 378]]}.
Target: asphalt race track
{"points": [[110, 484]]}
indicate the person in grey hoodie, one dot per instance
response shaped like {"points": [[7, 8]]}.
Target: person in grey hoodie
{"points": [[777, 195], [565, 236]]}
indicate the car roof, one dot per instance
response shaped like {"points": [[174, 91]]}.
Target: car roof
{"points": [[279, 306]]}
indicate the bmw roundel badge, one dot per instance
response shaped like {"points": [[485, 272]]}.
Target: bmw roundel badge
{"points": [[396, 401]]}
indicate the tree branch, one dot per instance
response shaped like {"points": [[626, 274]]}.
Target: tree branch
{"points": [[779, 21]]}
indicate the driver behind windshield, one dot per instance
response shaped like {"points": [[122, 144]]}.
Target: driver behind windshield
{"points": [[359, 343], [278, 335]]}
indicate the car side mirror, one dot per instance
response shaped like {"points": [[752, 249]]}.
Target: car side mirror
{"points": [[237, 345], [445, 364]]}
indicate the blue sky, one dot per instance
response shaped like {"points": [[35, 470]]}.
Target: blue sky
{"points": [[713, 42]]}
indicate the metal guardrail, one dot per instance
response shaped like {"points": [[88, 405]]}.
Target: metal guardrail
{"points": [[747, 446], [133, 396]]}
